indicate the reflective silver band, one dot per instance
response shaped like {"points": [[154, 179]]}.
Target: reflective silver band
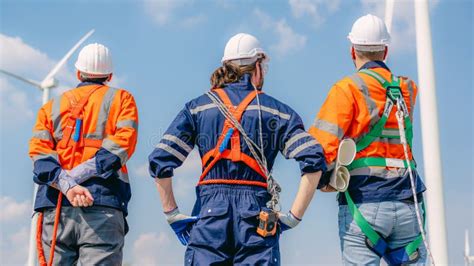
{"points": [[116, 149], [127, 123], [202, 108], [56, 118], [269, 110], [123, 176], [331, 166], [371, 106], [103, 114], [53, 155], [302, 147], [183, 145], [329, 127], [388, 141], [172, 151], [249, 108], [43, 135], [294, 139], [391, 132], [382, 172]]}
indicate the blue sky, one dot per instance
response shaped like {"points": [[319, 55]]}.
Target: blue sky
{"points": [[164, 53]]}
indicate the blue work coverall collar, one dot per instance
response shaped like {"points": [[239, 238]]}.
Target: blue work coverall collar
{"points": [[244, 83], [374, 64]]}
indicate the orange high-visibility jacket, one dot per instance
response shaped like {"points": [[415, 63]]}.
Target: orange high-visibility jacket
{"points": [[353, 105], [109, 132]]}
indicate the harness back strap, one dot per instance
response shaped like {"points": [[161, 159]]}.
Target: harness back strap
{"points": [[230, 133], [394, 94], [75, 117]]}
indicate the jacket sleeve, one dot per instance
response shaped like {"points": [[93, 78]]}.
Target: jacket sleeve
{"points": [[331, 124], [117, 148], [46, 166], [177, 142], [297, 144]]}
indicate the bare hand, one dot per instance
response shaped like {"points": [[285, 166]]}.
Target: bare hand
{"points": [[79, 196], [328, 188]]}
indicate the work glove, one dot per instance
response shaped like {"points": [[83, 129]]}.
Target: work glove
{"points": [[84, 171], [287, 221], [181, 224]]}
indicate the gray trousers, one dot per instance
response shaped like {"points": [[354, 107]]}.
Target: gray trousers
{"points": [[90, 236]]}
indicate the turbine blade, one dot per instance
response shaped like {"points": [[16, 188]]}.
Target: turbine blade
{"points": [[29, 81], [58, 66]]}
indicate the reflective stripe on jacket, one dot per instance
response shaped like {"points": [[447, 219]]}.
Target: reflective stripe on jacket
{"points": [[109, 129], [200, 123], [353, 105]]}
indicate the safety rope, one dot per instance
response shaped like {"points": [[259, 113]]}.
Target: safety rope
{"points": [[273, 187], [401, 127]]}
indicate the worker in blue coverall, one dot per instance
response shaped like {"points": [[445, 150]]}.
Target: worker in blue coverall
{"points": [[232, 189]]}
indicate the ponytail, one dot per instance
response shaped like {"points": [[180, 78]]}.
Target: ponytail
{"points": [[229, 73]]}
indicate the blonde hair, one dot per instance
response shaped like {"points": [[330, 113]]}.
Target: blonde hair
{"points": [[230, 73]]}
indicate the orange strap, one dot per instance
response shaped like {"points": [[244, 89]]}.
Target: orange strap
{"points": [[235, 154], [233, 182], [39, 244], [76, 109]]}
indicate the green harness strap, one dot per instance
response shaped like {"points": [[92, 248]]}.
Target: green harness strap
{"points": [[394, 94], [371, 234]]}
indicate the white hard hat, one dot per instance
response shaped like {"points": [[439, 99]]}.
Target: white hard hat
{"points": [[243, 49], [369, 33], [94, 60]]}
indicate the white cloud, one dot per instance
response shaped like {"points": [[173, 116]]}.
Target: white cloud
{"points": [[403, 31], [13, 102], [14, 247], [288, 40], [11, 210], [22, 59], [156, 249], [164, 12], [316, 10], [14, 230]]}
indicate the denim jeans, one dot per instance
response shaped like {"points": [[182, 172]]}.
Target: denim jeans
{"points": [[394, 220]]}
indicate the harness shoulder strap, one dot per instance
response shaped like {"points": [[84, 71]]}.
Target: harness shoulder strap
{"points": [[230, 133], [75, 119]]}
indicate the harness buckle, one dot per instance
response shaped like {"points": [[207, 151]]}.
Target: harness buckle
{"points": [[394, 93]]}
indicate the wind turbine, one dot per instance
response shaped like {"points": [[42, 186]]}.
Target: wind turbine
{"points": [[49, 82], [467, 257]]}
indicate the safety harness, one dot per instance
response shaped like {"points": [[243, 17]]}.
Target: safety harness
{"points": [[374, 240], [73, 125], [231, 134]]}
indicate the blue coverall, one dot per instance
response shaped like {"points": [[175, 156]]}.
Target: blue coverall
{"points": [[226, 233]]}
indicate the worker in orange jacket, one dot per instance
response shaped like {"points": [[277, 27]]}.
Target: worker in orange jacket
{"points": [[384, 188], [81, 142]]}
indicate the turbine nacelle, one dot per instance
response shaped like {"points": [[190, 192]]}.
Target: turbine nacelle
{"points": [[49, 83]]}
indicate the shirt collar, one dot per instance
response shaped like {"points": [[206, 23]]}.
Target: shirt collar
{"points": [[87, 83], [244, 83], [374, 64]]}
